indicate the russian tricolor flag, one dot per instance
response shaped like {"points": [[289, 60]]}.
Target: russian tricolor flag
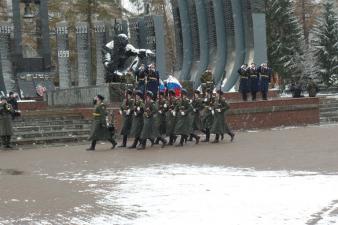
{"points": [[173, 83]]}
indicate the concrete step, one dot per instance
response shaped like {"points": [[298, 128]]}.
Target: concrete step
{"points": [[329, 114], [28, 135], [50, 123], [51, 128], [49, 140], [328, 119], [36, 119], [328, 109]]}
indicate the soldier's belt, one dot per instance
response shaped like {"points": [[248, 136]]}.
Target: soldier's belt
{"points": [[266, 76], [140, 78], [96, 114], [244, 77], [152, 78], [253, 75]]}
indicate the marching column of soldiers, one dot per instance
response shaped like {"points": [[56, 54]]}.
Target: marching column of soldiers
{"points": [[151, 114]]}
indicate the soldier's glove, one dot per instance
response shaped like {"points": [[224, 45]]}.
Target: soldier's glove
{"points": [[128, 112], [218, 110], [210, 108], [174, 113], [205, 100], [135, 113], [165, 106], [160, 111], [194, 110], [190, 101], [212, 112], [120, 112], [138, 108], [183, 113]]}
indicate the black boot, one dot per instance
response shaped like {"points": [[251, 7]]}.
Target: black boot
{"points": [[152, 142], [135, 143], [197, 138], [92, 146], [3, 141], [114, 143], [143, 144], [207, 135], [232, 136], [222, 137], [181, 141], [164, 141], [8, 142], [157, 141], [216, 139], [191, 136], [124, 142]]}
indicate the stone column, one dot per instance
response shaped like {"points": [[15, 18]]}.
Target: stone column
{"points": [[5, 57], [63, 55], [100, 40], [83, 54]]}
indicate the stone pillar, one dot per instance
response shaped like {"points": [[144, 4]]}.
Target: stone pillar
{"points": [[83, 54], [100, 40], [5, 57], [63, 55]]}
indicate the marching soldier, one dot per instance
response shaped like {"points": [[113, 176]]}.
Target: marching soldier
{"points": [[171, 117], [219, 126], [100, 129], [141, 75], [162, 108], [244, 82], [128, 79], [265, 75], [126, 110], [253, 80], [207, 80], [206, 114], [182, 109], [137, 123], [197, 106], [148, 131], [6, 128]]}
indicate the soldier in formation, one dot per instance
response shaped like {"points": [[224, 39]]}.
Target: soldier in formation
{"points": [[6, 128]]}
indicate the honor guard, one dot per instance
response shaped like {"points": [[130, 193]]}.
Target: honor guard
{"points": [[197, 107], [207, 81], [253, 80], [182, 109], [153, 79], [219, 125], [206, 114], [100, 129], [126, 111], [162, 109], [137, 121], [265, 74], [141, 74], [244, 81], [171, 117], [6, 128]]}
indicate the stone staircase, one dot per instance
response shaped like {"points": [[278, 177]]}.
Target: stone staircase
{"points": [[47, 127], [328, 110]]}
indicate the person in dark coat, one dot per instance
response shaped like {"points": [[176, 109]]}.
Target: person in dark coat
{"points": [[244, 82], [171, 117], [265, 73], [312, 88], [182, 109], [126, 110], [219, 125], [148, 129], [12, 99], [6, 128], [153, 79], [137, 124], [100, 129], [197, 106], [253, 80], [206, 114], [141, 74], [162, 108]]}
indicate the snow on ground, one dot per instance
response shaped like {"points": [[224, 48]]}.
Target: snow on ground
{"points": [[185, 194]]}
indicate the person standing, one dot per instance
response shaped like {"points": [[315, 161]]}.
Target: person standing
{"points": [[141, 74], [244, 82], [171, 117], [219, 125], [312, 88], [126, 110], [253, 80], [162, 108], [153, 79], [6, 128], [183, 109], [265, 76], [100, 129], [137, 124], [197, 106]]}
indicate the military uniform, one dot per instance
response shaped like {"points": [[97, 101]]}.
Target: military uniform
{"points": [[171, 117], [183, 109], [100, 129], [137, 124], [6, 128], [149, 127], [141, 74], [254, 81], [312, 88], [206, 116], [126, 110], [153, 78], [219, 125], [265, 76], [244, 82], [129, 79], [207, 81], [196, 107]]}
